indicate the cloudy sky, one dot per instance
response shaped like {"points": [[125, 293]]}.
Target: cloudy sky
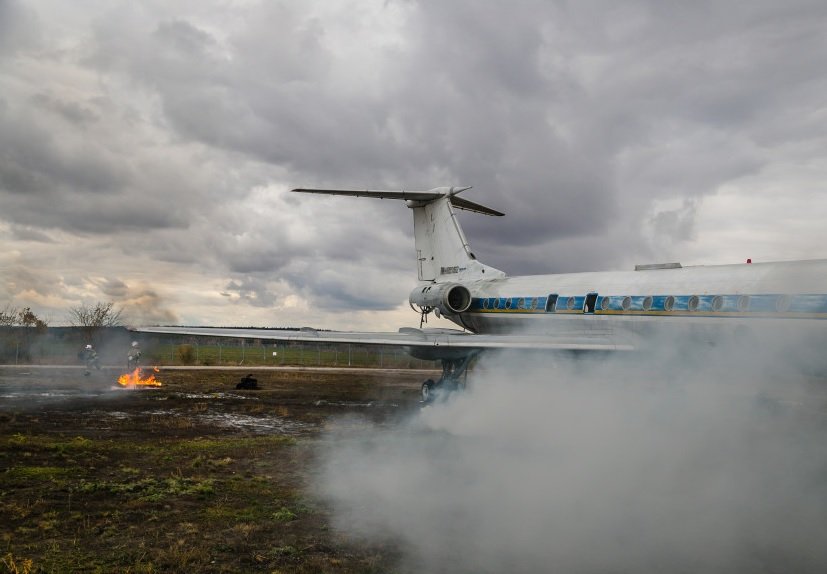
{"points": [[147, 149]]}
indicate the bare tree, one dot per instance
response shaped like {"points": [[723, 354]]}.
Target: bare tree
{"points": [[100, 315], [8, 316], [93, 318]]}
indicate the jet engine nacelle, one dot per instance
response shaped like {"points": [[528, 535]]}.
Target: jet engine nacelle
{"points": [[447, 298]]}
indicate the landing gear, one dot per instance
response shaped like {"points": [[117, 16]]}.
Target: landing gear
{"points": [[428, 389], [454, 374]]}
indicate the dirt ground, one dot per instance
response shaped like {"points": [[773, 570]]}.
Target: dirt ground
{"points": [[193, 476]]}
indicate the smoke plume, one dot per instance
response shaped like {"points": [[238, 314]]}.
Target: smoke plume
{"points": [[684, 459]]}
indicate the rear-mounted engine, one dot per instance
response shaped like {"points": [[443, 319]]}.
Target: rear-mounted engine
{"points": [[447, 298]]}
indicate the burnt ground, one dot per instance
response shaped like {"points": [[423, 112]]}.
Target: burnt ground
{"points": [[192, 476]]}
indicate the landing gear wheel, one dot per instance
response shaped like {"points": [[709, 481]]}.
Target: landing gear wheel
{"points": [[428, 388]]}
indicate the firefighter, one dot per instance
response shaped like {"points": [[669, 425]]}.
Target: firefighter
{"points": [[90, 359], [134, 355]]}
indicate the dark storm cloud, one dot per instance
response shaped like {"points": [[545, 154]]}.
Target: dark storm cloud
{"points": [[257, 98], [114, 288], [97, 215], [74, 112], [18, 26], [24, 233], [252, 290], [676, 223], [34, 160], [23, 277], [468, 106], [600, 129], [337, 286]]}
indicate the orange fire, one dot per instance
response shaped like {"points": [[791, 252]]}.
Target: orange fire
{"points": [[134, 379]]}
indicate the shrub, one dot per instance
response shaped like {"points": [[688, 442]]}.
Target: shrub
{"points": [[186, 354]]}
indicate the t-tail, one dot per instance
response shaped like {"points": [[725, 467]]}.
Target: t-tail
{"points": [[442, 252]]}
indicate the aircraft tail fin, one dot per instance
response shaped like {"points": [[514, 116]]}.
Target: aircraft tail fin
{"points": [[442, 252]]}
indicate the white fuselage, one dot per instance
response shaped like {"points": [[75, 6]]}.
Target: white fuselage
{"points": [[744, 294]]}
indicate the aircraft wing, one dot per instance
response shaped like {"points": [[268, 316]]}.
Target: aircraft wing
{"points": [[422, 341]]}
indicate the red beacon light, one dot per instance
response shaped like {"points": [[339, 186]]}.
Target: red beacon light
{"points": [[749, 260]]}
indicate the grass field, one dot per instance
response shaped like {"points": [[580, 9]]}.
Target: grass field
{"points": [[285, 355], [191, 477]]}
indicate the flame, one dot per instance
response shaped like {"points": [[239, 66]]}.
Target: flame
{"points": [[134, 379]]}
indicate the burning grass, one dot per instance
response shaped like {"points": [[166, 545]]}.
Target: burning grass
{"points": [[135, 379]]}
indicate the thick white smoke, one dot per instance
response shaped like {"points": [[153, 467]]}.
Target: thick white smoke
{"points": [[680, 460]]}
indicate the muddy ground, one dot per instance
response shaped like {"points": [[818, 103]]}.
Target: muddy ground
{"points": [[194, 476]]}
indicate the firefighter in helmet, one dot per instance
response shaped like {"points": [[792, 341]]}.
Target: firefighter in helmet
{"points": [[90, 359], [134, 355]]}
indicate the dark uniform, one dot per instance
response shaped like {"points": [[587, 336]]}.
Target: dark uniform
{"points": [[89, 358], [134, 355]]}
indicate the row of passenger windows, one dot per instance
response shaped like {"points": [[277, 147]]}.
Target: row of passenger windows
{"points": [[592, 301]]}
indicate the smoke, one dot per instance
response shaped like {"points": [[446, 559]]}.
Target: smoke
{"points": [[683, 459]]}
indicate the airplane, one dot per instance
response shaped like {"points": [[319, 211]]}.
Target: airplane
{"points": [[612, 311]]}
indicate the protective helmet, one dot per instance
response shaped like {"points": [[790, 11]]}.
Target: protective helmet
{"points": [[88, 346], [134, 343]]}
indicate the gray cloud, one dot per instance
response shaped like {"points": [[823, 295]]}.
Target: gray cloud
{"points": [[23, 233], [252, 290], [18, 27], [172, 134], [78, 113]]}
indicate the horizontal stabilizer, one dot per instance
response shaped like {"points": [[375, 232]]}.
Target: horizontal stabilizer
{"points": [[376, 193], [416, 196]]}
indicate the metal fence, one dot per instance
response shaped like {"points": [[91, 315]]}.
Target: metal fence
{"points": [[61, 345]]}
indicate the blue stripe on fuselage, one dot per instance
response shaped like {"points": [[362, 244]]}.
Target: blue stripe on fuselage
{"points": [[726, 305]]}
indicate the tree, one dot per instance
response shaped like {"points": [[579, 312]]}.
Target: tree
{"points": [[8, 316], [21, 325], [92, 319], [26, 318]]}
